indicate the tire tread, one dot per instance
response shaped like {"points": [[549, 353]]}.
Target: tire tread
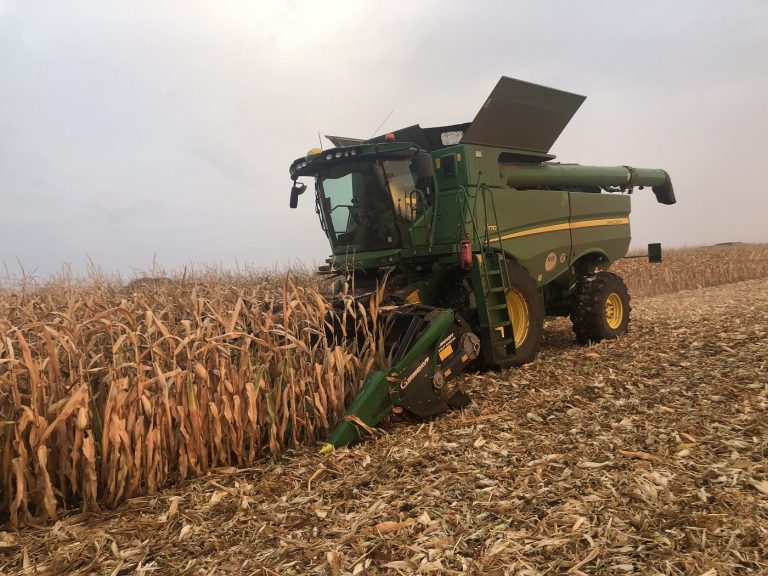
{"points": [[587, 315]]}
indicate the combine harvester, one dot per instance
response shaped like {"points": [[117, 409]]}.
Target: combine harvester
{"points": [[480, 235]]}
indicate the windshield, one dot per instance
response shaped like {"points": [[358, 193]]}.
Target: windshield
{"points": [[401, 177], [367, 205], [340, 193]]}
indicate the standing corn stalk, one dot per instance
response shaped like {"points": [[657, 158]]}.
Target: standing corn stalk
{"points": [[106, 393]]}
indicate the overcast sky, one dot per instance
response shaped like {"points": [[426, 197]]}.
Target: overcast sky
{"points": [[141, 131]]}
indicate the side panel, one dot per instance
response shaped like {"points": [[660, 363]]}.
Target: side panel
{"points": [[448, 225], [600, 222], [533, 226], [450, 173]]}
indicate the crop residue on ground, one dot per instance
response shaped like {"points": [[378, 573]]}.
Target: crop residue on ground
{"points": [[647, 454]]}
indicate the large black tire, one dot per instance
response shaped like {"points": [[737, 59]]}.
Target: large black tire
{"points": [[600, 308], [522, 292]]}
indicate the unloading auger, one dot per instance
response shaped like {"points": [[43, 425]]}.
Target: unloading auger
{"points": [[480, 235]]}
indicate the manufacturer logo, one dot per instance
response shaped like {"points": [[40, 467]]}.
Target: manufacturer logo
{"points": [[550, 262], [404, 384]]}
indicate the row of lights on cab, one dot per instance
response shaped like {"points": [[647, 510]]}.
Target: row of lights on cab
{"points": [[329, 156], [339, 154]]}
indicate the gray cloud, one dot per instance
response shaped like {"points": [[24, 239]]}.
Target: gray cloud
{"points": [[133, 130]]}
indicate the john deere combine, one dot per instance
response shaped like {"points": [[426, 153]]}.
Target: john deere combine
{"points": [[480, 235]]}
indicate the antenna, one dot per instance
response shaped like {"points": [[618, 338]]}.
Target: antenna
{"points": [[319, 139], [380, 125]]}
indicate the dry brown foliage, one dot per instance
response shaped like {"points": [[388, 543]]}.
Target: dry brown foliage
{"points": [[688, 268], [109, 392], [642, 455]]}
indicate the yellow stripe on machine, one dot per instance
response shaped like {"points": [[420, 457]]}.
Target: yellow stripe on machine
{"points": [[565, 226], [445, 352], [605, 222]]}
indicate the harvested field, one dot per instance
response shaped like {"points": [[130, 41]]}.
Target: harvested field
{"points": [[686, 268], [647, 454]]}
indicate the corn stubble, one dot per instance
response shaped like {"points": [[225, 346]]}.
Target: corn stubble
{"points": [[107, 393]]}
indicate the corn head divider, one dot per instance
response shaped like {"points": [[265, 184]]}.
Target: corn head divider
{"points": [[477, 229], [431, 350]]}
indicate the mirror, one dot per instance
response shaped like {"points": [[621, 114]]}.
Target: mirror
{"points": [[297, 190], [424, 166]]}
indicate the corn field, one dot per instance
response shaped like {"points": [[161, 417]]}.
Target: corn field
{"points": [[109, 392], [692, 268]]}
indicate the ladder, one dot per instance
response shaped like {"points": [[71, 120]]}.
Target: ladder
{"points": [[490, 281]]}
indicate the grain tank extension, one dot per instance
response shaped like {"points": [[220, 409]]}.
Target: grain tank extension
{"points": [[480, 235]]}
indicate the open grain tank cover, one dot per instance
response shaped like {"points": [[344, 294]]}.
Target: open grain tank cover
{"points": [[522, 116]]}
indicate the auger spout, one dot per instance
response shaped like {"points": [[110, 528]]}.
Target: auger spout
{"points": [[556, 175]]}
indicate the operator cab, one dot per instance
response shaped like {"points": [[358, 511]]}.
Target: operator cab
{"points": [[369, 196], [367, 205]]}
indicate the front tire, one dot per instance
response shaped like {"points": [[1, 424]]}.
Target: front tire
{"points": [[526, 313], [601, 308]]}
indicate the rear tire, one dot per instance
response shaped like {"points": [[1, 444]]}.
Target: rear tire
{"points": [[601, 308]]}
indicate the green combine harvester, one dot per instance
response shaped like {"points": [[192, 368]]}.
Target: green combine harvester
{"points": [[480, 235]]}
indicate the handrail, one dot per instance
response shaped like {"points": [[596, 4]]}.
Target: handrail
{"points": [[463, 197], [466, 210], [429, 225], [504, 271]]}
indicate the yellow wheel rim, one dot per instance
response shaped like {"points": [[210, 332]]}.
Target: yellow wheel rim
{"points": [[518, 315], [614, 310]]}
